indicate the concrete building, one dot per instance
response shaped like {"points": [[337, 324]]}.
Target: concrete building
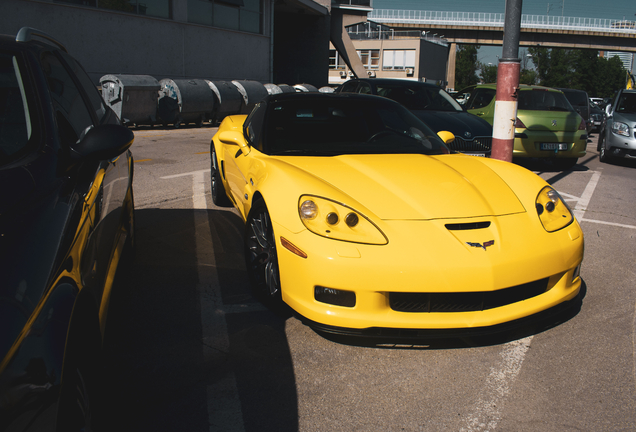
{"points": [[386, 53]]}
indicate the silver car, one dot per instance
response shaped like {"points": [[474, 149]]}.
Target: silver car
{"points": [[618, 140]]}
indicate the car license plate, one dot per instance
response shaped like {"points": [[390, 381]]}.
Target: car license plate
{"points": [[554, 146], [476, 154]]}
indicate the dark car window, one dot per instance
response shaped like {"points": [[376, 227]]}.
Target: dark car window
{"points": [[349, 86], [15, 119], [419, 97], [329, 127], [543, 100], [481, 97], [627, 103], [72, 114], [95, 98], [365, 88]]}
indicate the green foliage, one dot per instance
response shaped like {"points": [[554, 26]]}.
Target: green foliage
{"points": [[466, 66], [488, 73], [577, 69]]}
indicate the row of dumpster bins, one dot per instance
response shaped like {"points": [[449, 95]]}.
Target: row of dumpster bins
{"points": [[143, 100]]}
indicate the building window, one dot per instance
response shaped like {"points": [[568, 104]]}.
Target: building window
{"points": [[335, 62], [398, 59], [370, 58], [243, 15], [153, 8]]}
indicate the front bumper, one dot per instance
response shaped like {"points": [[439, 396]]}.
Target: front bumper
{"points": [[424, 258], [619, 146]]}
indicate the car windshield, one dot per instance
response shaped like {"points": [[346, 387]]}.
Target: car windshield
{"points": [[627, 103], [336, 126], [420, 97], [15, 122], [543, 100]]}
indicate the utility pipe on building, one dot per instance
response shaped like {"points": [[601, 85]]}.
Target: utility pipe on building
{"points": [[503, 129]]}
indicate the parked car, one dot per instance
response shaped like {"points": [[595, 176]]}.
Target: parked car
{"points": [[597, 117], [359, 220], [66, 213], [618, 139], [547, 126], [580, 101], [435, 107]]}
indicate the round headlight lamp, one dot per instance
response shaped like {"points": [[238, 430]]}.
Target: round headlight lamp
{"points": [[352, 220], [332, 218], [308, 210]]}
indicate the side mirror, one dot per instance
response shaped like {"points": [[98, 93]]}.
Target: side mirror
{"points": [[234, 138], [446, 136], [103, 142], [608, 110]]}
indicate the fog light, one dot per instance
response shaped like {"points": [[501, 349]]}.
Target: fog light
{"points": [[335, 296]]}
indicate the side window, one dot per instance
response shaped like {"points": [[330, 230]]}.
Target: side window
{"points": [[71, 112], [95, 98], [365, 89], [349, 86], [481, 98]]}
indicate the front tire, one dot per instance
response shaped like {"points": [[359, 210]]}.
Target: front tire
{"points": [[219, 196], [602, 155], [261, 258]]}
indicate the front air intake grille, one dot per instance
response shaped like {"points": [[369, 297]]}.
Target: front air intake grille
{"points": [[465, 301], [467, 226], [477, 144]]}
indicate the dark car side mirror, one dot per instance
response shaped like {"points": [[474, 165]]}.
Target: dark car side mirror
{"points": [[103, 142]]}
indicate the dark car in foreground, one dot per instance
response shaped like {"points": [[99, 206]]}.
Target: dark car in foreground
{"points": [[618, 139], [66, 214], [435, 107]]}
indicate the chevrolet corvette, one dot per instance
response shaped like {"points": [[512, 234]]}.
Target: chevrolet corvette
{"points": [[359, 218]]}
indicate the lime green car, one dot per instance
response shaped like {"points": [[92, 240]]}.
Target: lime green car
{"points": [[547, 126]]}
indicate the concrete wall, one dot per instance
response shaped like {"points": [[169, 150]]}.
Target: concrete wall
{"points": [[108, 42]]}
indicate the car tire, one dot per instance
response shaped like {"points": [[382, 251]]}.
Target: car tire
{"points": [[261, 258], [76, 411], [219, 196], [602, 155]]}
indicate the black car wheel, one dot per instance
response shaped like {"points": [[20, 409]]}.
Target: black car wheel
{"points": [[603, 156], [75, 404], [219, 197], [260, 255]]}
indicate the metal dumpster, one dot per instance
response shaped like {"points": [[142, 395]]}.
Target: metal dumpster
{"points": [[228, 99], [273, 89], [132, 97], [305, 88], [252, 91], [183, 101], [286, 88]]}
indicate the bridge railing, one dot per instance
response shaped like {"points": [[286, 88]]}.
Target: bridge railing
{"points": [[497, 20]]}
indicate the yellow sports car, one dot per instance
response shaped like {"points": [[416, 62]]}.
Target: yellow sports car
{"points": [[360, 220]]}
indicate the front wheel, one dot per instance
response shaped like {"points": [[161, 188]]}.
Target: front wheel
{"points": [[219, 197], [602, 155], [261, 258]]}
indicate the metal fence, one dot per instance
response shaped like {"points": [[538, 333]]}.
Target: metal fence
{"points": [[497, 20]]}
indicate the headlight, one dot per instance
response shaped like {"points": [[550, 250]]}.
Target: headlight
{"points": [[333, 220], [552, 210], [620, 128]]}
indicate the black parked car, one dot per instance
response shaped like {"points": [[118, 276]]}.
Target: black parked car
{"points": [[435, 107], [66, 215]]}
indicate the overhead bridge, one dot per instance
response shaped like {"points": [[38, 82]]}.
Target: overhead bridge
{"points": [[536, 30]]}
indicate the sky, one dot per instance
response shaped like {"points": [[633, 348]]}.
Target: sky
{"points": [[611, 9]]}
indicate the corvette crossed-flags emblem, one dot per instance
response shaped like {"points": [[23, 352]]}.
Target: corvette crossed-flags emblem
{"points": [[479, 245]]}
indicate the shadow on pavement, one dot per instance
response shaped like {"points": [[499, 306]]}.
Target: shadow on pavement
{"points": [[158, 378]]}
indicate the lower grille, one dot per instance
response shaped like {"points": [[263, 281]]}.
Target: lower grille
{"points": [[477, 144], [465, 301]]}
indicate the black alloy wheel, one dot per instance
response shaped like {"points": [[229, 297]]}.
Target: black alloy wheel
{"points": [[219, 197], [602, 155], [260, 255]]}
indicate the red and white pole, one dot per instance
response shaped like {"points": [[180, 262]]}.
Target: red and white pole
{"points": [[503, 133]]}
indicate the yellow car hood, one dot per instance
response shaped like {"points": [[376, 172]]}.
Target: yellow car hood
{"points": [[416, 187]]}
